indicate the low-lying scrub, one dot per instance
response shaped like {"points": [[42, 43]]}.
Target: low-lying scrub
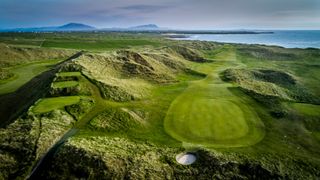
{"points": [[126, 75], [117, 120], [5, 74], [114, 92], [105, 158], [11, 55], [268, 53], [187, 53], [69, 84], [79, 109], [23, 142]]}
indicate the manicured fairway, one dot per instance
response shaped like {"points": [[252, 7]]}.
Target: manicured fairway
{"points": [[49, 104], [68, 74], [65, 84], [207, 113], [23, 74], [99, 44]]}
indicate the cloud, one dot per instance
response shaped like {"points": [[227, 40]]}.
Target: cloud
{"points": [[193, 14], [145, 8]]}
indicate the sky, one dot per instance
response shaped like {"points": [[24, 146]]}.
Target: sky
{"points": [[177, 14]]}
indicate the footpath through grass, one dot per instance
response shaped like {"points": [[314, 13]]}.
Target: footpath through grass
{"points": [[208, 113]]}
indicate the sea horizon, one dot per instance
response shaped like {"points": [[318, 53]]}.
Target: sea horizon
{"points": [[283, 38]]}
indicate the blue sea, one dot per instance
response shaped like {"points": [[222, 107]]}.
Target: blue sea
{"points": [[288, 39]]}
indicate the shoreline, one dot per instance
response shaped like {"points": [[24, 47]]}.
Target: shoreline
{"points": [[284, 39]]}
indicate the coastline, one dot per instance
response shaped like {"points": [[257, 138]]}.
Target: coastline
{"points": [[286, 39]]}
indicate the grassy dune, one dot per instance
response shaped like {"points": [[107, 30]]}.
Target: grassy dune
{"points": [[246, 111]]}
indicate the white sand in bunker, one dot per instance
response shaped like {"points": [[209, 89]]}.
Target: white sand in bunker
{"points": [[186, 158]]}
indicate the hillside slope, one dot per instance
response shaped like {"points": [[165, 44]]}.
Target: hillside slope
{"points": [[243, 111]]}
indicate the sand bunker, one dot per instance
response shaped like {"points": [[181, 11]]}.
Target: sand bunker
{"points": [[186, 158]]}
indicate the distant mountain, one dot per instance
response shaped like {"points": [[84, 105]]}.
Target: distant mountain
{"points": [[66, 27], [76, 26], [146, 27]]}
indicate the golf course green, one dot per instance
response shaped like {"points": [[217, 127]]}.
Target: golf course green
{"points": [[208, 113], [142, 106], [49, 104]]}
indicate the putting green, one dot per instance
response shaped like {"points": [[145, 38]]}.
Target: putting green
{"points": [[49, 104], [65, 84], [209, 114]]}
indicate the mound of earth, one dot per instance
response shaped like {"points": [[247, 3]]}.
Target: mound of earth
{"points": [[11, 55], [270, 83], [28, 138], [102, 157], [117, 120], [5, 74], [268, 53], [127, 75], [186, 53]]}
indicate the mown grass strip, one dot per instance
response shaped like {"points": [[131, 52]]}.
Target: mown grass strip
{"points": [[307, 109], [68, 74], [65, 84], [49, 104]]}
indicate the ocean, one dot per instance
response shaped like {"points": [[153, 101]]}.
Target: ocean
{"points": [[288, 39]]}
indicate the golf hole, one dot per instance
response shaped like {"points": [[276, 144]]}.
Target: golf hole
{"points": [[186, 158]]}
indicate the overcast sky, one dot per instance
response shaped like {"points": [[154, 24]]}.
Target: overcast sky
{"points": [[183, 14]]}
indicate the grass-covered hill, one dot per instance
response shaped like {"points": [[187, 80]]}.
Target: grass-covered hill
{"points": [[128, 75], [15, 58], [128, 105], [13, 55], [272, 84]]}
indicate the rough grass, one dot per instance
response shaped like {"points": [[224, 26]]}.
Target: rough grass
{"points": [[69, 84], [5, 74], [270, 83], [102, 157], [268, 53], [80, 109], [117, 146], [27, 139], [126, 75], [12, 55], [116, 120], [49, 104]]}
